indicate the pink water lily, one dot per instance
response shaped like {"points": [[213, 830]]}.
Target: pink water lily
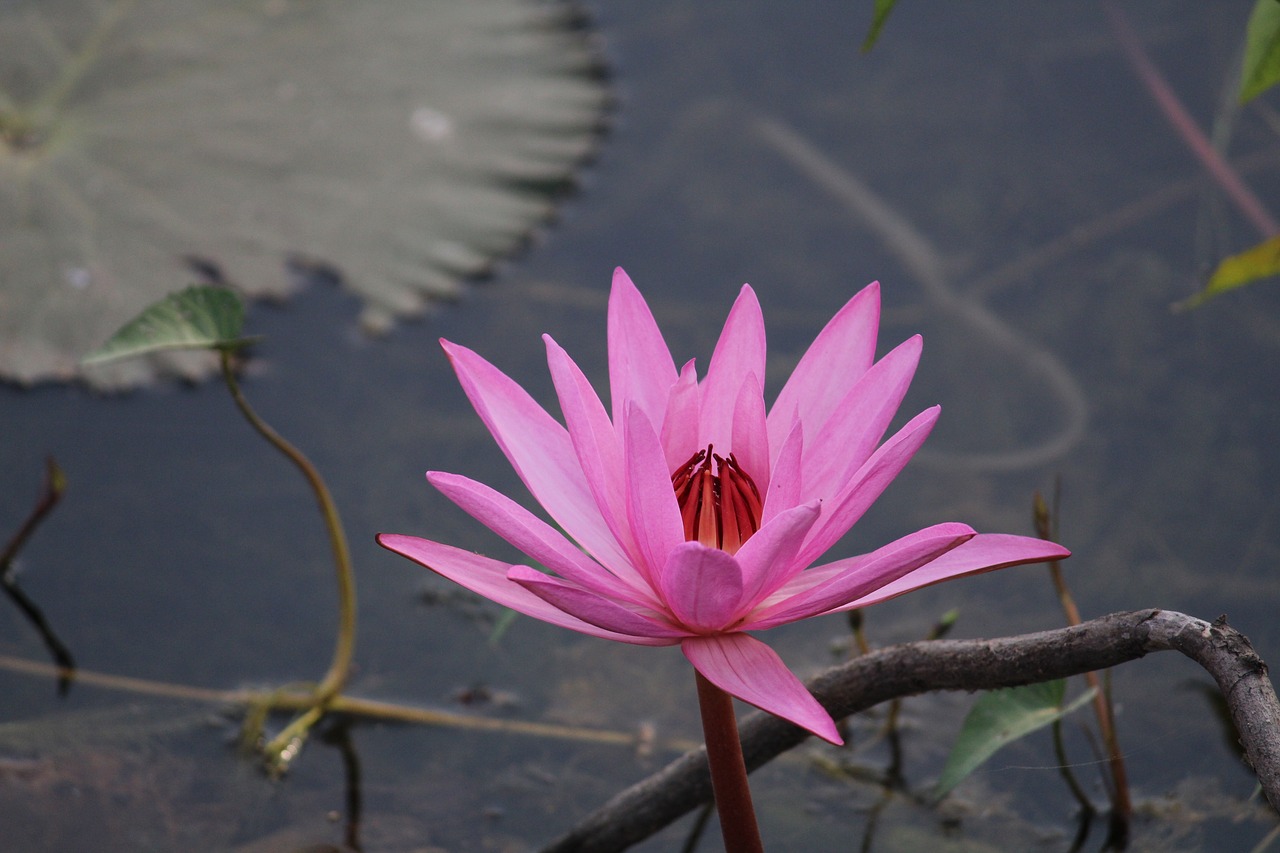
{"points": [[693, 511]]}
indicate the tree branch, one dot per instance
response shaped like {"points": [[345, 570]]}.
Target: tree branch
{"points": [[912, 668]]}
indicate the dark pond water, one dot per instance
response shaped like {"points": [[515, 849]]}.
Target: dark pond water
{"points": [[1051, 194]]}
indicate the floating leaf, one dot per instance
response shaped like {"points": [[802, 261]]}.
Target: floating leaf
{"points": [[199, 317], [1262, 261], [1001, 717], [1262, 50], [400, 146], [878, 19]]}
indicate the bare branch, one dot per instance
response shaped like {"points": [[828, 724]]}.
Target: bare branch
{"points": [[912, 668]]}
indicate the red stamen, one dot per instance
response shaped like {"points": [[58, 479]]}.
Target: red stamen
{"points": [[719, 502]]}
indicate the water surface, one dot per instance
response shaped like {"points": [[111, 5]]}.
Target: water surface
{"points": [[186, 551]]}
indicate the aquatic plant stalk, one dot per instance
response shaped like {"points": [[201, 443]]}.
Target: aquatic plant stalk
{"points": [[336, 677], [728, 771], [1217, 167], [55, 483], [1121, 804], [287, 699]]}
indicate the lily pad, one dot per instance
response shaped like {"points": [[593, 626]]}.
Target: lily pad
{"points": [[401, 146]]}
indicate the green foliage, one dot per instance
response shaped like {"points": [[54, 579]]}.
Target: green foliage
{"points": [[1262, 261], [1001, 717], [200, 317], [1262, 50], [883, 8]]}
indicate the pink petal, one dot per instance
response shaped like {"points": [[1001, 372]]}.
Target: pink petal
{"points": [[640, 365], [744, 667], [847, 580], [738, 353], [536, 538], [768, 558], [840, 446], [539, 449], [750, 440], [983, 553], [652, 510], [786, 479], [835, 360], [702, 586], [680, 427], [488, 578], [868, 484], [594, 440], [595, 609]]}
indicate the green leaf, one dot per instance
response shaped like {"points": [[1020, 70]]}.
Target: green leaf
{"points": [[1262, 261], [199, 317], [883, 8], [1262, 50], [1001, 717]]}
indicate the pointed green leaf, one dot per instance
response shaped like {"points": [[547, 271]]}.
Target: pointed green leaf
{"points": [[1262, 50], [1001, 717], [199, 317], [1262, 261], [881, 14]]}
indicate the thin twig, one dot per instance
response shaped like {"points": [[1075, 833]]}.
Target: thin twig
{"points": [[55, 482], [353, 706], [1046, 524]]}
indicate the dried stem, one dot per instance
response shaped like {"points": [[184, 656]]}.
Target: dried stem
{"points": [[51, 492], [1121, 804], [920, 667]]}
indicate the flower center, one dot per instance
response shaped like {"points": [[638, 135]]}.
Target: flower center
{"points": [[719, 502]]}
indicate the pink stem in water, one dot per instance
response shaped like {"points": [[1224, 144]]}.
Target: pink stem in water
{"points": [[1186, 127], [728, 771]]}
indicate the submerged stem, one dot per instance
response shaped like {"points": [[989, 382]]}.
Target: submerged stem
{"points": [[728, 771], [334, 680], [1121, 803]]}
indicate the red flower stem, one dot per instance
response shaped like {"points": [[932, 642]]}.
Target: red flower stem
{"points": [[728, 772], [1221, 171]]}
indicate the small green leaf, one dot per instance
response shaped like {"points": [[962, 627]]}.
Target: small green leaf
{"points": [[1262, 261], [883, 8], [1262, 50], [199, 317], [1001, 717]]}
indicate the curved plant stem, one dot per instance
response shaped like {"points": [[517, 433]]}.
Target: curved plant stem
{"points": [[334, 680], [728, 772]]}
